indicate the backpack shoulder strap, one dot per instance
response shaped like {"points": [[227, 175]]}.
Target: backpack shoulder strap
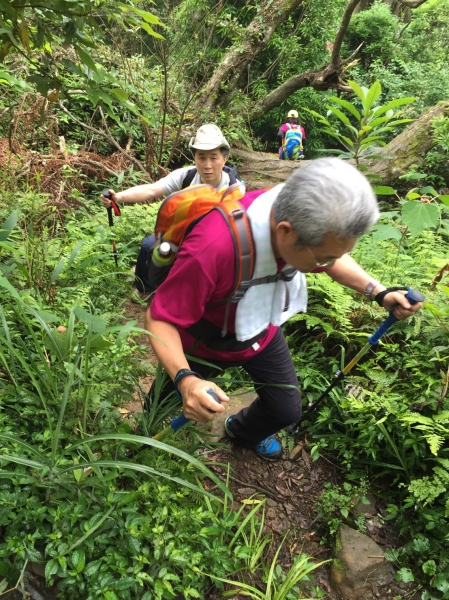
{"points": [[231, 174], [188, 178], [245, 251]]}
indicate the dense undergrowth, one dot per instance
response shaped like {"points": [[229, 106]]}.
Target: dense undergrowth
{"points": [[109, 528], [102, 525]]}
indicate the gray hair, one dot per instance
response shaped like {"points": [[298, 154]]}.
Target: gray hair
{"points": [[327, 196]]}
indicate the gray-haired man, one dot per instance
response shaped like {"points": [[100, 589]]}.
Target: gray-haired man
{"points": [[311, 223]]}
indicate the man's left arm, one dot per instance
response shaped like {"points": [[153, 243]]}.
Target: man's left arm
{"points": [[350, 274]]}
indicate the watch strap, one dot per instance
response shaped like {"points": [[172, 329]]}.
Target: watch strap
{"points": [[370, 287], [180, 375]]}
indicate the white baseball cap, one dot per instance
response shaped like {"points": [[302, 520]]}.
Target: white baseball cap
{"points": [[209, 137], [293, 114]]}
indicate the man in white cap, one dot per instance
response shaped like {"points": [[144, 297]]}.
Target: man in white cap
{"points": [[210, 152]]}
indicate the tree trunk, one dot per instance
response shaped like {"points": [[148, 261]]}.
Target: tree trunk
{"points": [[330, 76], [256, 36], [407, 148], [260, 170]]}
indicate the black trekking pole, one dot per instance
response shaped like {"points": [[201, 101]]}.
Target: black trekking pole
{"points": [[413, 296], [117, 213]]}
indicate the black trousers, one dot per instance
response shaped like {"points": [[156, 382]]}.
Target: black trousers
{"points": [[275, 407]]}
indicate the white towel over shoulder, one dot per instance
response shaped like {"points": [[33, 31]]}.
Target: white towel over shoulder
{"points": [[264, 304]]}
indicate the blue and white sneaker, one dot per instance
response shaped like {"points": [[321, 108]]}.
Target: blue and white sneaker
{"points": [[268, 449]]}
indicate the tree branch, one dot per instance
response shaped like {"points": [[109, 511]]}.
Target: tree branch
{"points": [[257, 34], [335, 57], [412, 3], [108, 136]]}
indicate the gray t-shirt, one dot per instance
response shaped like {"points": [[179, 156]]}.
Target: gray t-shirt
{"points": [[173, 181]]}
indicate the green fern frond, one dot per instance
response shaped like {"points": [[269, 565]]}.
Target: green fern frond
{"points": [[381, 377], [435, 442], [442, 417], [415, 417], [443, 474]]}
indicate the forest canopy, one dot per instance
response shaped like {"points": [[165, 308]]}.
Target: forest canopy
{"points": [[153, 71]]}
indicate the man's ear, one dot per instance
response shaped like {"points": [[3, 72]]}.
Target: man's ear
{"points": [[285, 230]]}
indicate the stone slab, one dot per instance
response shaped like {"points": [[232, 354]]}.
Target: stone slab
{"points": [[215, 429]]}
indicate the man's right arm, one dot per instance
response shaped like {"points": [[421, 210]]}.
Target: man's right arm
{"points": [[138, 194], [148, 192], [166, 343]]}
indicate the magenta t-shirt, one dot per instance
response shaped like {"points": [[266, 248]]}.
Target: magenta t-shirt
{"points": [[204, 272]]}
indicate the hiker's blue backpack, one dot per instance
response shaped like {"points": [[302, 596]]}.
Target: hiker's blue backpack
{"points": [[292, 143]]}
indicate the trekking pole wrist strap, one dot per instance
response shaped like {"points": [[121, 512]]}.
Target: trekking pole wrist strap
{"points": [[379, 298], [180, 375]]}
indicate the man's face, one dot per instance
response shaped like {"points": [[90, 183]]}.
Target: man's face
{"points": [[209, 164], [309, 258]]}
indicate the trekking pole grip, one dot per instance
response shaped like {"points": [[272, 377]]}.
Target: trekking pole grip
{"points": [[106, 194], [413, 296], [182, 420]]}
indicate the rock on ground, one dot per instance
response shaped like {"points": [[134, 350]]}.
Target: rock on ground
{"points": [[359, 565]]}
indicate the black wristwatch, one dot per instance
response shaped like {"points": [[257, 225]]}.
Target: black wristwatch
{"points": [[180, 375]]}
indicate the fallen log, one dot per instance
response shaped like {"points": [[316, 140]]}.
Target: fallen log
{"points": [[406, 150]]}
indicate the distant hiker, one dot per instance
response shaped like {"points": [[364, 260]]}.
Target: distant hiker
{"points": [[292, 136], [210, 152], [309, 224]]}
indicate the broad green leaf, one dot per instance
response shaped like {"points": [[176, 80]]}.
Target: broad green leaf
{"points": [[358, 90], [343, 118], [8, 225], [106, 98], [6, 6], [51, 568], [78, 560], [121, 94], [444, 199], [71, 67], [348, 105], [97, 323], [413, 196], [384, 190], [429, 567], [70, 29], [45, 316], [419, 216], [377, 121], [43, 84], [73, 253], [373, 93], [94, 95], [442, 582], [380, 110], [57, 271], [386, 232], [146, 16], [146, 27], [405, 575], [12, 290], [410, 176], [86, 59], [428, 189]]}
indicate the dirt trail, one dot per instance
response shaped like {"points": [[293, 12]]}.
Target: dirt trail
{"points": [[291, 487]]}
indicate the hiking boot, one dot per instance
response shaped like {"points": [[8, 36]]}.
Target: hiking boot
{"points": [[138, 296], [268, 449]]}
